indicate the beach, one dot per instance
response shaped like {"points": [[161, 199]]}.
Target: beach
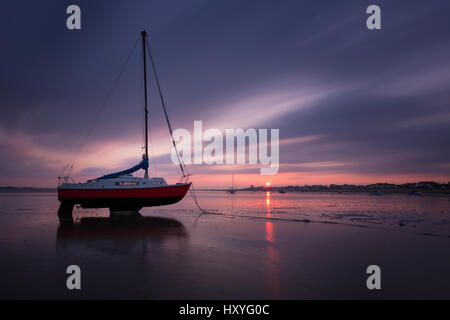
{"points": [[253, 245]]}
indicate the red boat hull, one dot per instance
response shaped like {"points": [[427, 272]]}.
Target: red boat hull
{"points": [[124, 199]]}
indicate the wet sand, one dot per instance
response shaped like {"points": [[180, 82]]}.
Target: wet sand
{"points": [[258, 247]]}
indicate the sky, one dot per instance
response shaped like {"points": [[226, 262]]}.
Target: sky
{"points": [[352, 105]]}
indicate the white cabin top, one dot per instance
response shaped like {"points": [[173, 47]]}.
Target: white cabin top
{"points": [[121, 182]]}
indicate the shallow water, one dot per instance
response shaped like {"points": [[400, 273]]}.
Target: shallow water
{"points": [[256, 246]]}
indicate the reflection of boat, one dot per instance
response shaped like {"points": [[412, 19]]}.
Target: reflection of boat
{"points": [[415, 193], [281, 191], [376, 193], [135, 237], [120, 191], [129, 227], [233, 188]]}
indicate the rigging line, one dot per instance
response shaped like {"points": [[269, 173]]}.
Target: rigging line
{"points": [[102, 107], [182, 167], [181, 163], [151, 160]]}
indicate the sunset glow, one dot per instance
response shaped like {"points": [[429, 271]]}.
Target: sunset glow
{"points": [[332, 129]]}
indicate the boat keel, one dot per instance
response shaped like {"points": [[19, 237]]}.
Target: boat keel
{"points": [[65, 212]]}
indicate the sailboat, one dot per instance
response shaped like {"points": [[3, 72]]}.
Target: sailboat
{"points": [[233, 188], [415, 193], [121, 191]]}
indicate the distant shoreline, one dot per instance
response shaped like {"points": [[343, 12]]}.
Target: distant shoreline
{"points": [[25, 189], [422, 187], [445, 192]]}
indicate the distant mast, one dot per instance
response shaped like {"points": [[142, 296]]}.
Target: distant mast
{"points": [[144, 34]]}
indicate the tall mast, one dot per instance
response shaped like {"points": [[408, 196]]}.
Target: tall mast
{"points": [[144, 34]]}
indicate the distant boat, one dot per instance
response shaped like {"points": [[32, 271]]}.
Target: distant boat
{"points": [[281, 191], [415, 193], [120, 191], [376, 193], [233, 188]]}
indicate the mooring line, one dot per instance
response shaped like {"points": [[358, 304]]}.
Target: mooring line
{"points": [[194, 198]]}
